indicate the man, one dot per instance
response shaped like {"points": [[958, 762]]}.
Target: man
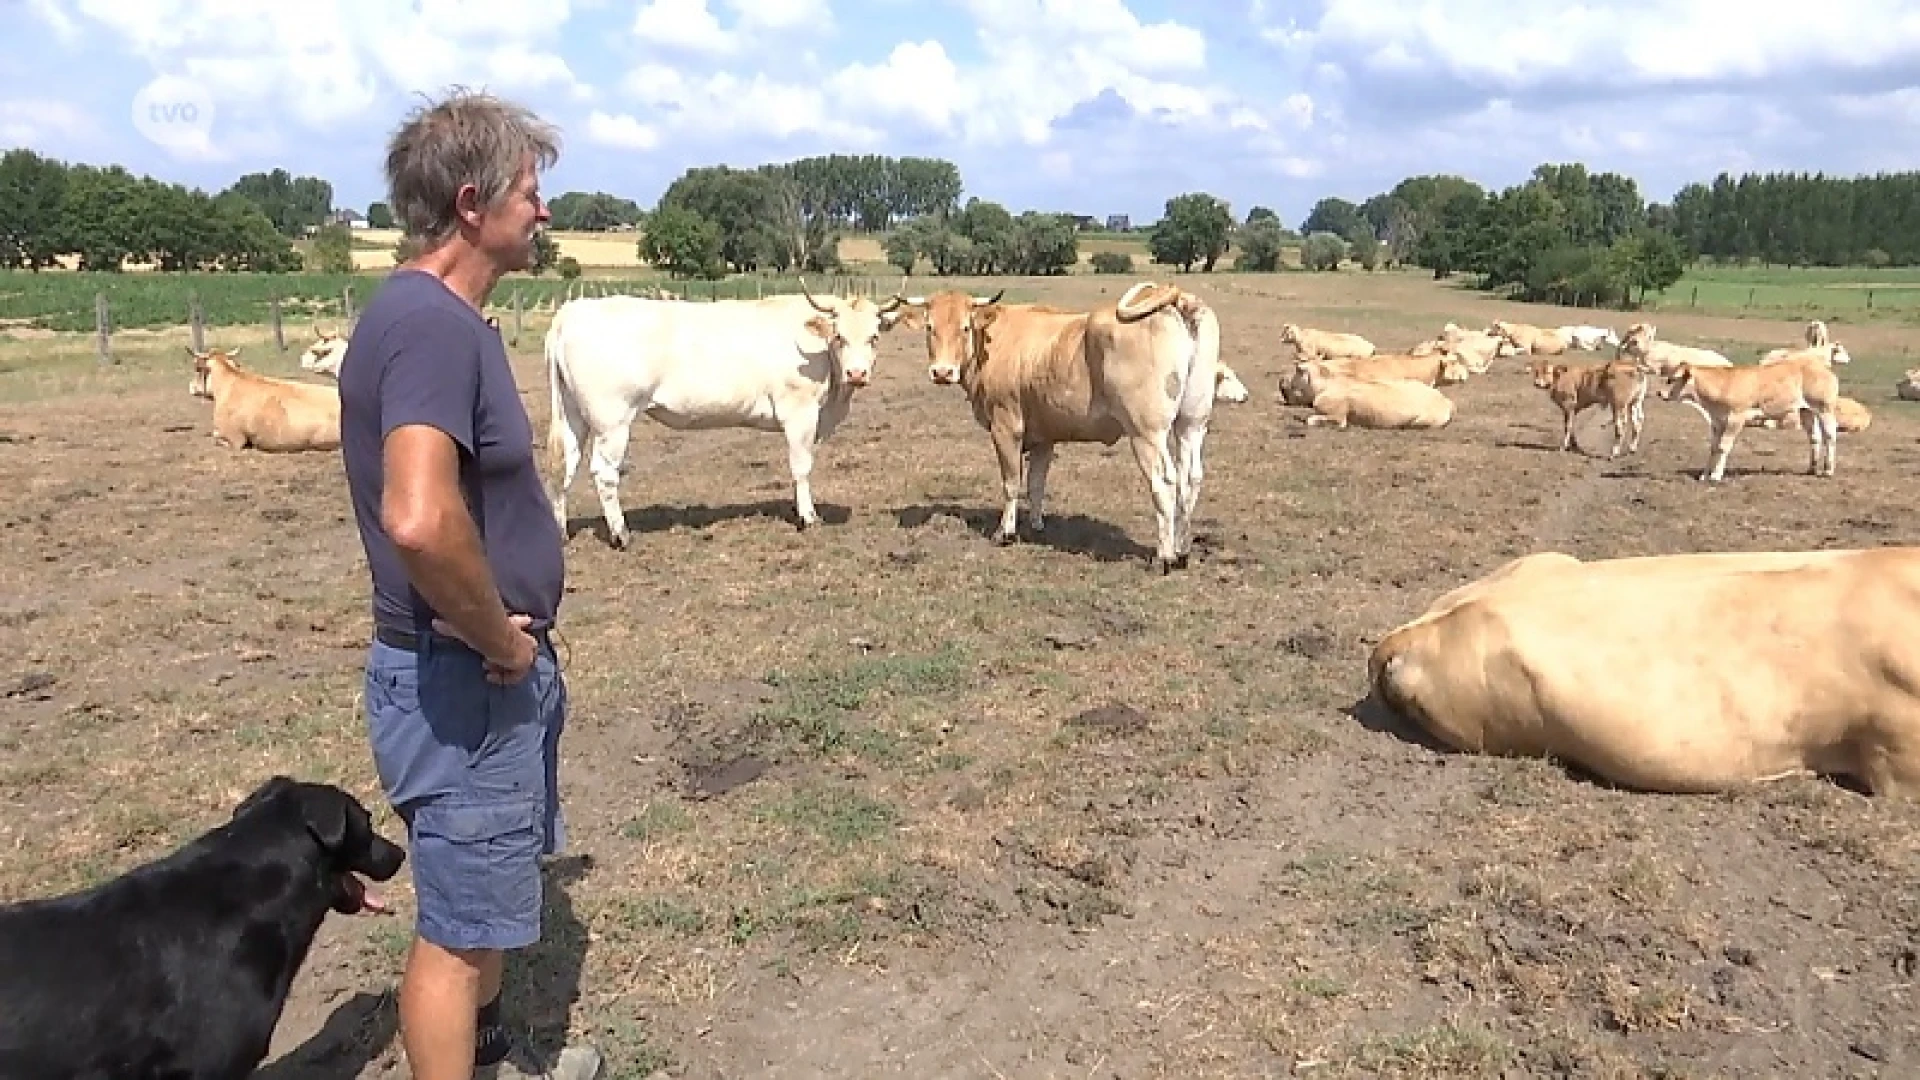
{"points": [[465, 701]]}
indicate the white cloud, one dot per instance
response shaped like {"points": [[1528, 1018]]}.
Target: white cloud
{"points": [[682, 24], [620, 131], [33, 121]]}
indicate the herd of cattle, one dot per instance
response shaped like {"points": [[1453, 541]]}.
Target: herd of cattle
{"points": [[1491, 667]]}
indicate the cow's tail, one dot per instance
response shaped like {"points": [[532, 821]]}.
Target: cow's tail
{"points": [[557, 426], [1200, 372]]}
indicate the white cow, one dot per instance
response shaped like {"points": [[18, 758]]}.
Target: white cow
{"points": [[788, 364], [325, 355], [1590, 338]]}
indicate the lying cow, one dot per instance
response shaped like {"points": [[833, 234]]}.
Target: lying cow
{"points": [[1852, 417], [1829, 354], [1530, 339], [789, 364], [262, 412], [1727, 396], [326, 354], [1038, 376], [1653, 686], [1908, 386], [1589, 338], [1621, 387], [1432, 369], [1381, 404], [1312, 344], [1228, 387], [1660, 358]]}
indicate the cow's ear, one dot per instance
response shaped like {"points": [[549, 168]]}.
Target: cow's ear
{"points": [[984, 315], [821, 327]]}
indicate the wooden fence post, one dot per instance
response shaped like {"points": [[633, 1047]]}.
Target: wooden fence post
{"points": [[516, 319], [279, 334], [197, 320], [103, 326], [346, 307]]}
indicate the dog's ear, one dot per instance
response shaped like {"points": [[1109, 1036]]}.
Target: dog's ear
{"points": [[324, 809], [263, 793]]}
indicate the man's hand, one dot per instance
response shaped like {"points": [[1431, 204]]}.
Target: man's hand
{"points": [[510, 668]]}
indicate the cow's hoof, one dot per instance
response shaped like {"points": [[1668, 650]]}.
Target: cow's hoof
{"points": [[1004, 539]]}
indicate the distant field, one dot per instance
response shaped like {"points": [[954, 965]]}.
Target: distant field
{"points": [[1857, 294]]}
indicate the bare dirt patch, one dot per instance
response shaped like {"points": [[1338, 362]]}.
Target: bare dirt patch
{"points": [[888, 800]]}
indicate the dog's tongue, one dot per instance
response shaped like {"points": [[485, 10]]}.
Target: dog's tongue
{"points": [[364, 897]]}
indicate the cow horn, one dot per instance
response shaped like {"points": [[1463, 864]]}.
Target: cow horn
{"points": [[898, 298], [808, 293], [977, 302]]}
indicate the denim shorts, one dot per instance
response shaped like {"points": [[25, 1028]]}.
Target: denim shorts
{"points": [[470, 767]]}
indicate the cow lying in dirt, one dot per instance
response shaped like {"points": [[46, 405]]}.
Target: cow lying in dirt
{"points": [[262, 412], [1381, 404], [1664, 681]]}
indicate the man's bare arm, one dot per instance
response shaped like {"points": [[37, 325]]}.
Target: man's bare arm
{"points": [[422, 510]]}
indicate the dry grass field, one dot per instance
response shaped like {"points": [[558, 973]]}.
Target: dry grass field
{"points": [[620, 251], [887, 800]]}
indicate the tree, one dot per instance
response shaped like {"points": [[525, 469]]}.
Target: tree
{"points": [[332, 250], [597, 211], [379, 216], [1336, 216], [683, 243], [1260, 241], [293, 204], [1193, 227], [1322, 251], [546, 252], [1648, 260], [903, 249], [1261, 213]]}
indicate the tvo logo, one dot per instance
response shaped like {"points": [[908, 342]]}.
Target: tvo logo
{"points": [[175, 113]]}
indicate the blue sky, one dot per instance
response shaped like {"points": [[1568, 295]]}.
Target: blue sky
{"points": [[1086, 106]]}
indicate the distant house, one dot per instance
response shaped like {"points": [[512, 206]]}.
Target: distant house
{"points": [[1119, 223], [352, 219], [1083, 222]]}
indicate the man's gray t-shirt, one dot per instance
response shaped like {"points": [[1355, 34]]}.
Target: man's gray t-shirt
{"points": [[422, 355]]}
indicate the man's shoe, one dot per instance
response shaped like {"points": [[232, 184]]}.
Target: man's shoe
{"points": [[574, 1063]]}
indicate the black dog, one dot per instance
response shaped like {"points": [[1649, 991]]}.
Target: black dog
{"points": [[178, 970]]}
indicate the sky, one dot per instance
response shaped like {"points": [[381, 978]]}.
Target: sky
{"points": [[1084, 106]]}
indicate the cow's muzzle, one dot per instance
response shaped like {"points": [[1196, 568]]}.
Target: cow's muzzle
{"points": [[944, 376], [856, 378]]}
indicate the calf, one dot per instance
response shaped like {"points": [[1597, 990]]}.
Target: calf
{"points": [[1727, 396], [1621, 387], [258, 411]]}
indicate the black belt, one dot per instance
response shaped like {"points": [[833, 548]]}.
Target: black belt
{"points": [[410, 640]]}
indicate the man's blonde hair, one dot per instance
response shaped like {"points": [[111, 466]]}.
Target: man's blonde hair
{"points": [[467, 137]]}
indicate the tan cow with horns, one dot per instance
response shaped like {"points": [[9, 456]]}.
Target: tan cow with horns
{"points": [[1037, 376], [262, 412]]}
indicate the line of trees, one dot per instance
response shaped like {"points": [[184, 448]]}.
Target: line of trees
{"points": [[1565, 235], [105, 215]]}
